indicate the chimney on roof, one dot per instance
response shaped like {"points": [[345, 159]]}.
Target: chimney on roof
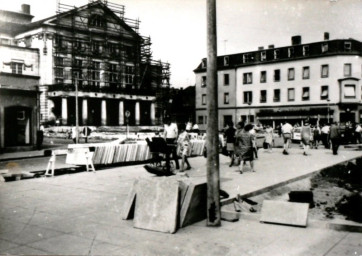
{"points": [[296, 40], [271, 46], [25, 8], [261, 48], [326, 36]]}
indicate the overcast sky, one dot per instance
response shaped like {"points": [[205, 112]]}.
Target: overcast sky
{"points": [[178, 27]]}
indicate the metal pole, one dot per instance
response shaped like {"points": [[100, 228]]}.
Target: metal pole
{"points": [[76, 111], [328, 110], [213, 177]]}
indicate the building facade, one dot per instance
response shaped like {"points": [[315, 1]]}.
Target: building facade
{"points": [[95, 56], [320, 81], [19, 94]]}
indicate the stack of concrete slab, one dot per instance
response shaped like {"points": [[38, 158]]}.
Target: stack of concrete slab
{"points": [[165, 204]]}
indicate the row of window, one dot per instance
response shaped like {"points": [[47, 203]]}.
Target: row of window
{"points": [[276, 54], [248, 76], [349, 93]]}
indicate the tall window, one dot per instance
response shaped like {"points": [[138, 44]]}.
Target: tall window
{"points": [[262, 96], [306, 73], [17, 68], [129, 76], [58, 61], [347, 70], [324, 92], [226, 79], [203, 99], [226, 98], [324, 71], [200, 120], [247, 78], [305, 94], [291, 74], [276, 97], [291, 94], [262, 76], [113, 75], [350, 91], [203, 81], [277, 75], [248, 97]]}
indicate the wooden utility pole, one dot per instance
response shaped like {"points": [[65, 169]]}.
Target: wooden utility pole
{"points": [[213, 176], [76, 111]]}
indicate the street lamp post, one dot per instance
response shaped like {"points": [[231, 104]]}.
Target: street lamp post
{"points": [[328, 100], [76, 111]]}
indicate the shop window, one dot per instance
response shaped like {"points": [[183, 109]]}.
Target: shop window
{"points": [[291, 74], [324, 92], [324, 71], [305, 93], [306, 72], [291, 94], [262, 76]]}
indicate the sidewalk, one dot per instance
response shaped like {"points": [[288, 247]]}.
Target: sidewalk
{"points": [[79, 214]]}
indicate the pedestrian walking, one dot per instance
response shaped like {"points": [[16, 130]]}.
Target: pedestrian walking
{"points": [[269, 138], [86, 132], [335, 137], [325, 135], [184, 147], [358, 133], [287, 129], [170, 135], [255, 148], [316, 136], [306, 134], [230, 141], [244, 147], [74, 134]]}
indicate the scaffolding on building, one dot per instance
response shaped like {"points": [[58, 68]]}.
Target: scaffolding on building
{"points": [[103, 55]]}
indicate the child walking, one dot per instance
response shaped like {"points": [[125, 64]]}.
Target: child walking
{"points": [[183, 142]]}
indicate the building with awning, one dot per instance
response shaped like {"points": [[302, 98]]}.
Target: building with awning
{"points": [[319, 81]]}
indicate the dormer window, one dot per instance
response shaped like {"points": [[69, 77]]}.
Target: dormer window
{"points": [[203, 63], [305, 50], [290, 52], [226, 61], [347, 46], [246, 58], [97, 21], [324, 47], [276, 54], [263, 56]]}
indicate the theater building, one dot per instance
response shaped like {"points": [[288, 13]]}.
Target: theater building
{"points": [[94, 54], [319, 80]]}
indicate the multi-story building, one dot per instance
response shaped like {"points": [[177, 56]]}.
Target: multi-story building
{"points": [[320, 81], [19, 80], [94, 55]]}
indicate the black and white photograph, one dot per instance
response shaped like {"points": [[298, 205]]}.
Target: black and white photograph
{"points": [[181, 127]]}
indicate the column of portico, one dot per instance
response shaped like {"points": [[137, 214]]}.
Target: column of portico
{"points": [[64, 111], [104, 113], [121, 113], [153, 113], [85, 111], [137, 113]]}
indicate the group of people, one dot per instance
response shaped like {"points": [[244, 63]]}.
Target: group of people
{"points": [[241, 145]]}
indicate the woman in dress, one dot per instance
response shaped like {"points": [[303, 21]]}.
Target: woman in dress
{"points": [[244, 147], [230, 141], [306, 134], [269, 137]]}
